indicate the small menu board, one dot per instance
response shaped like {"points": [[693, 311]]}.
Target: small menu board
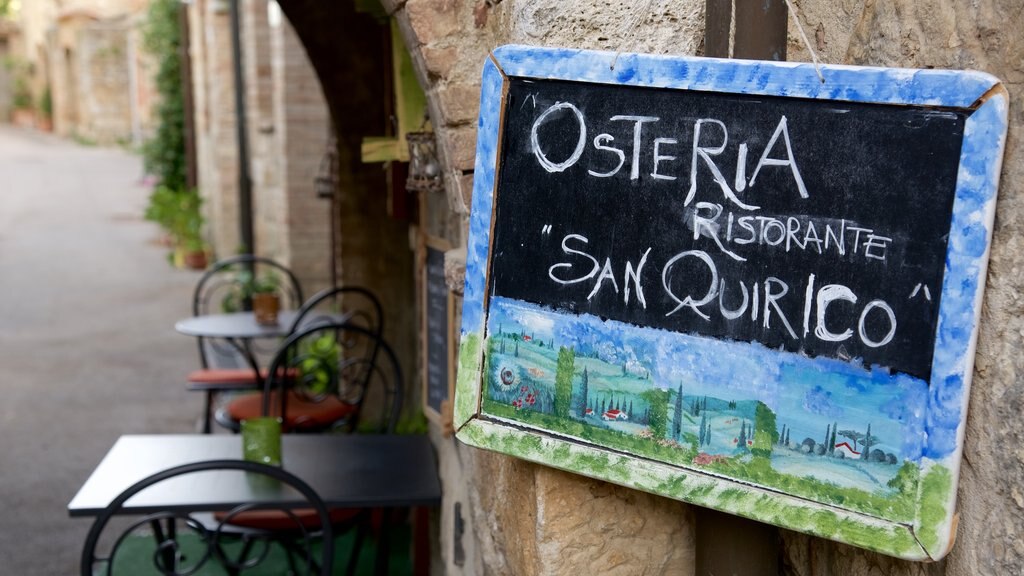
{"points": [[437, 331]]}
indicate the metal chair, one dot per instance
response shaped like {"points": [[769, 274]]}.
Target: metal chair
{"points": [[324, 377], [351, 304], [226, 287], [329, 375], [178, 554]]}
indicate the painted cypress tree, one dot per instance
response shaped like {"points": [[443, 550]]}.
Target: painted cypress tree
{"points": [[741, 442], [564, 372], [630, 411], [517, 348], [584, 391], [658, 420], [602, 405], [828, 434], [703, 426], [868, 442], [832, 442], [788, 430], [677, 415]]}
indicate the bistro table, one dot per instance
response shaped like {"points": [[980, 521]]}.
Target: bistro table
{"points": [[347, 471], [236, 326]]}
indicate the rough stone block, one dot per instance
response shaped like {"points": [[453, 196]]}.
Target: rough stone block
{"points": [[459, 146], [439, 61], [460, 103], [433, 20], [592, 527]]}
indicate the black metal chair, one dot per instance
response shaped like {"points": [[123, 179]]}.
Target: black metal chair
{"points": [[351, 304], [330, 375], [226, 287], [324, 377], [175, 553]]}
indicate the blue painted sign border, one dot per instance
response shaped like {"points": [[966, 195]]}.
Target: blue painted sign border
{"points": [[930, 535]]}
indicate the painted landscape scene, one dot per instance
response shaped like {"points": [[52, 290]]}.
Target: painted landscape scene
{"points": [[823, 429]]}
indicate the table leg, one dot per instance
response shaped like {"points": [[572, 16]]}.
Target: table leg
{"points": [[384, 542]]}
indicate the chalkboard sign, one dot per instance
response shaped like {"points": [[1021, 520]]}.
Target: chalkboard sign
{"points": [[437, 331], [732, 283]]}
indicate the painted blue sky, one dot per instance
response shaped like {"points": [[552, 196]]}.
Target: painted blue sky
{"points": [[806, 394]]}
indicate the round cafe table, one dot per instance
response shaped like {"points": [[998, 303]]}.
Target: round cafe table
{"points": [[235, 326], [238, 329]]}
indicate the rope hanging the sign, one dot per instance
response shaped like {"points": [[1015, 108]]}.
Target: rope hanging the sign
{"points": [[807, 43], [641, 8]]}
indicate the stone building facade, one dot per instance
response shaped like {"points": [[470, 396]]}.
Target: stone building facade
{"points": [[88, 55], [288, 130], [505, 516]]}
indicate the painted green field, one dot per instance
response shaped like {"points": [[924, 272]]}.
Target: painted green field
{"points": [[520, 385]]}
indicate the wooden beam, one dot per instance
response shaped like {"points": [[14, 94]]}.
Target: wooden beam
{"points": [[760, 30], [717, 25]]}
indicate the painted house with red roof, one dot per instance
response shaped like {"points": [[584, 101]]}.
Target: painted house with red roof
{"points": [[847, 450], [614, 415]]}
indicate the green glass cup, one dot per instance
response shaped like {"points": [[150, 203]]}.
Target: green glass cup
{"points": [[261, 440]]}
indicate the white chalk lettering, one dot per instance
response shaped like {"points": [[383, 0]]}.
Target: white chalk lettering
{"points": [[666, 276], [580, 144], [567, 250], [634, 276], [732, 314], [788, 161], [710, 227], [828, 294], [771, 301], [705, 153], [606, 272], [892, 324], [598, 143], [658, 157], [634, 170]]}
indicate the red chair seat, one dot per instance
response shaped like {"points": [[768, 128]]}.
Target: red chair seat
{"points": [[302, 413], [224, 375], [220, 378], [280, 521]]}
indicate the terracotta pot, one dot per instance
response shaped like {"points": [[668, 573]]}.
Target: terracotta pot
{"points": [[195, 259], [266, 306], [44, 124], [23, 117]]}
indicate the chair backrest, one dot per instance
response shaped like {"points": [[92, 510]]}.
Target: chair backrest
{"points": [[171, 529], [341, 359], [226, 287], [351, 304]]}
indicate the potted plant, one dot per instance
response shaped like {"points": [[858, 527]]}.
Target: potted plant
{"points": [[266, 301], [44, 121], [177, 212], [22, 112]]}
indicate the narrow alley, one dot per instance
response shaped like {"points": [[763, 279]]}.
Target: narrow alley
{"points": [[86, 335]]}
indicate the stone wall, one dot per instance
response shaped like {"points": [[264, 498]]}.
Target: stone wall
{"points": [[524, 519], [288, 124], [104, 92], [214, 119], [303, 124], [986, 36]]}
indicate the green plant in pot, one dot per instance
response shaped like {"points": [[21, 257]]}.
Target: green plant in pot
{"points": [[178, 212], [318, 365], [266, 299]]}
